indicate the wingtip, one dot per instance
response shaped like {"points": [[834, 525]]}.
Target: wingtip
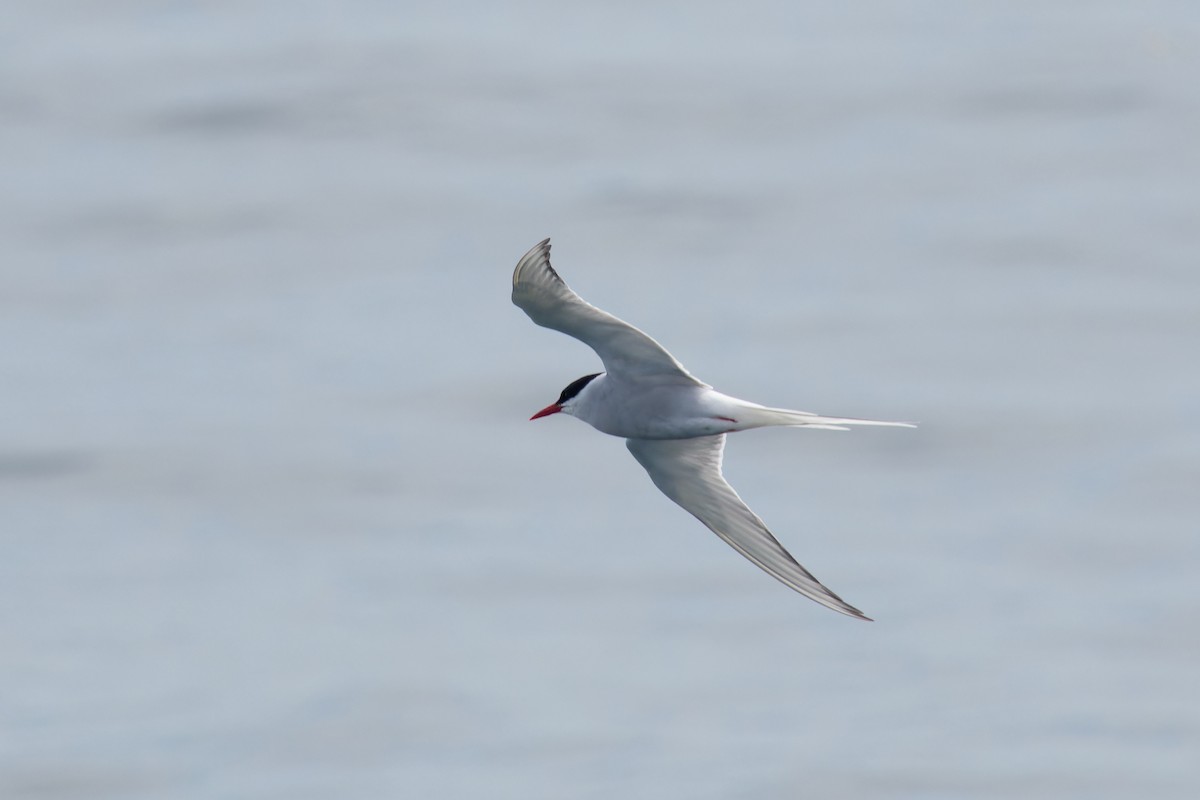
{"points": [[842, 607], [539, 252], [845, 608], [535, 262]]}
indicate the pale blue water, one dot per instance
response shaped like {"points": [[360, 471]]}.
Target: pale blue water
{"points": [[274, 523]]}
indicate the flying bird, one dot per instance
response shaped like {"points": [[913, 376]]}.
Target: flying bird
{"points": [[672, 423]]}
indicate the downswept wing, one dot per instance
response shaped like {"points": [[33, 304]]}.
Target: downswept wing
{"points": [[689, 472], [549, 302]]}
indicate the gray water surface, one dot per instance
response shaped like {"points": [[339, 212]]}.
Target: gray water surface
{"points": [[275, 525]]}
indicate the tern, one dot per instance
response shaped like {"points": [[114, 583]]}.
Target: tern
{"points": [[672, 423]]}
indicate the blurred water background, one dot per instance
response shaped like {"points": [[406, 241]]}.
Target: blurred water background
{"points": [[275, 525]]}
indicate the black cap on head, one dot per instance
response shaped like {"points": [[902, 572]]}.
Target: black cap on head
{"points": [[575, 387]]}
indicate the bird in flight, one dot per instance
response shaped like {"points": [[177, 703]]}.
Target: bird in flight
{"points": [[672, 423]]}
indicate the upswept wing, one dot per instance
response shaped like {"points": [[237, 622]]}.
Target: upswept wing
{"points": [[549, 302], [689, 472]]}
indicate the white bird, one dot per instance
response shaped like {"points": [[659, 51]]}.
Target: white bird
{"points": [[672, 423]]}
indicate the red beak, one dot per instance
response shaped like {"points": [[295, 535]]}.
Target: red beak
{"points": [[553, 408]]}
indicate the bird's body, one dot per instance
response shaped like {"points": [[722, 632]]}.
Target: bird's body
{"points": [[673, 424], [640, 410]]}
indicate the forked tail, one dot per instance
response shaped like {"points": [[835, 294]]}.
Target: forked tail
{"points": [[764, 416]]}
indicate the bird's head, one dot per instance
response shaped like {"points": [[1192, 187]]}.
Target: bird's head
{"points": [[566, 401]]}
